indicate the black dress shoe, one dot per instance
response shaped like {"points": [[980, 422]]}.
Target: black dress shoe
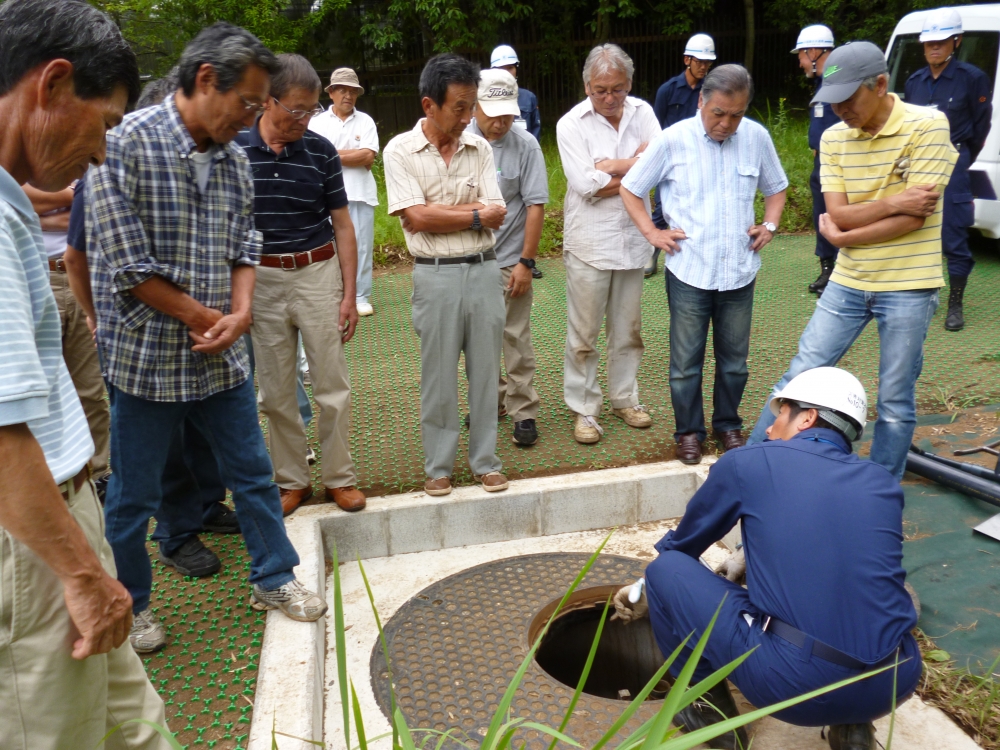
{"points": [[852, 737], [688, 450], [730, 439], [222, 520], [713, 707], [192, 559], [536, 273], [525, 432]]}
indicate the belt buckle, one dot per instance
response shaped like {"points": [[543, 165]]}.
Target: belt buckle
{"points": [[766, 625], [61, 265], [291, 259]]}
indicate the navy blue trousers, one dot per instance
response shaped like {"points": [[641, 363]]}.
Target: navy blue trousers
{"points": [[958, 216], [823, 247], [683, 595]]}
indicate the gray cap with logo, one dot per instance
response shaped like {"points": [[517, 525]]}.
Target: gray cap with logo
{"points": [[846, 68]]}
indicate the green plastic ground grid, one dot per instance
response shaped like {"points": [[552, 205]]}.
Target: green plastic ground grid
{"points": [[207, 674]]}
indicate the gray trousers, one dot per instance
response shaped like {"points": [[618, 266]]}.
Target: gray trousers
{"points": [[458, 308], [517, 391]]}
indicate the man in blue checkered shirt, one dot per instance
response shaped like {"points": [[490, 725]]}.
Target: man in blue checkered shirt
{"points": [[171, 227]]}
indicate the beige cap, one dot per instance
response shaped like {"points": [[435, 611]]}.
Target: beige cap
{"points": [[498, 93], [345, 77]]}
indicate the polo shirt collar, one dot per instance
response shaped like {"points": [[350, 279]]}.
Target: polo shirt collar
{"points": [[257, 141], [11, 193], [420, 140], [895, 121]]}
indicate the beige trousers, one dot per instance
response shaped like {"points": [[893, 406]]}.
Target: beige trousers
{"points": [[517, 390], [594, 298], [80, 354], [285, 303], [48, 699]]}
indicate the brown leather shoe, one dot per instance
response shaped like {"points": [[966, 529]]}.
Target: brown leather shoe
{"points": [[730, 439], [494, 481], [348, 498], [688, 450], [437, 487], [292, 499]]}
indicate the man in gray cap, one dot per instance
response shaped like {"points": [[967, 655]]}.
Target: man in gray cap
{"points": [[883, 168]]}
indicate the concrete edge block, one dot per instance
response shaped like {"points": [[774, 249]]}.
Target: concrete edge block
{"points": [[289, 693], [489, 518], [589, 506]]}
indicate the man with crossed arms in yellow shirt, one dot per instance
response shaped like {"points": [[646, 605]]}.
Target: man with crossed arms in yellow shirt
{"points": [[883, 169]]}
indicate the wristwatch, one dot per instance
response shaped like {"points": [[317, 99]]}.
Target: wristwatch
{"points": [[476, 223], [529, 262], [772, 228]]}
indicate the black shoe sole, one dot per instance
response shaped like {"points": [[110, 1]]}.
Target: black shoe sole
{"points": [[525, 443], [191, 572]]}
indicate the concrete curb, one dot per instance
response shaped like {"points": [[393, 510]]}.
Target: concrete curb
{"points": [[290, 683]]}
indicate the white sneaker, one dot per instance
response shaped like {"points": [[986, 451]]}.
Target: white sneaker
{"points": [[294, 599], [147, 635], [634, 416], [364, 307], [586, 430]]}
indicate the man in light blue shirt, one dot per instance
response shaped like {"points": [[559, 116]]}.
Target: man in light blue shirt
{"points": [[709, 169]]}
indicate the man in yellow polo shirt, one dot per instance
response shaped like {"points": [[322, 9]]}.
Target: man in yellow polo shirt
{"points": [[883, 169]]}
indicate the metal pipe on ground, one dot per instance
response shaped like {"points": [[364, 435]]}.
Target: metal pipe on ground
{"points": [[982, 489], [975, 470]]}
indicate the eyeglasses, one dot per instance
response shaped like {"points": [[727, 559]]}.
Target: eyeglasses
{"points": [[616, 93], [250, 106], [300, 114]]}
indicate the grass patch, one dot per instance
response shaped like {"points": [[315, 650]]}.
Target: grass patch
{"points": [[789, 130]]}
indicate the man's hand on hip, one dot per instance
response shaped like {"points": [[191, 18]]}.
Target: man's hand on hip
{"points": [[920, 200], [492, 216], [520, 280], [348, 318], [222, 335], [666, 239], [761, 236], [101, 611]]}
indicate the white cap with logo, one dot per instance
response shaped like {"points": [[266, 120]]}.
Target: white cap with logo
{"points": [[503, 56], [701, 46], [498, 93], [941, 24]]}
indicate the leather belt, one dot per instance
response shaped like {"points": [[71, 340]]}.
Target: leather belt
{"points": [[291, 261], [827, 653], [76, 482], [57, 264], [477, 258]]}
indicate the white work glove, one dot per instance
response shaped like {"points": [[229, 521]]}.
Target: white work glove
{"points": [[625, 610], [734, 567]]}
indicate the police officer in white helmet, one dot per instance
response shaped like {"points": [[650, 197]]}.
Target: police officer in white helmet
{"points": [[677, 100], [825, 596], [505, 58], [813, 47]]}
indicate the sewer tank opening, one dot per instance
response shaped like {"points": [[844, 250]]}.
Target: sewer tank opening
{"points": [[627, 656]]}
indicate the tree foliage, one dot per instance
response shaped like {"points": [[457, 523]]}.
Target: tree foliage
{"points": [[851, 20]]}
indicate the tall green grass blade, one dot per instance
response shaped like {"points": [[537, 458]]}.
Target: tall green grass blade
{"points": [[555, 734], [341, 646], [275, 734], [385, 648], [161, 730], [359, 724], [585, 674], [405, 739]]}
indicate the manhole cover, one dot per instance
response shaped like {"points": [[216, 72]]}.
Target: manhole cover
{"points": [[456, 645]]}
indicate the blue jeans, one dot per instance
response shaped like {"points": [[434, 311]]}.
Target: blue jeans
{"points": [[141, 435], [902, 318], [691, 310]]}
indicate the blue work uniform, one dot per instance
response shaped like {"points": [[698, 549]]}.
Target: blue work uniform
{"points": [[823, 536], [821, 117], [675, 101], [962, 92], [527, 102]]}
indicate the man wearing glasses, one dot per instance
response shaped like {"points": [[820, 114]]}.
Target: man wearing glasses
{"points": [[305, 284], [600, 140]]}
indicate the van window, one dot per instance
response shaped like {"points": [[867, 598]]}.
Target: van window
{"points": [[978, 48]]}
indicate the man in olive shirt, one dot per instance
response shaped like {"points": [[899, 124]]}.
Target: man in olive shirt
{"points": [[442, 183]]}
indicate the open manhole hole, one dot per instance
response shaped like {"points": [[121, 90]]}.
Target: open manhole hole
{"points": [[627, 656], [455, 646]]}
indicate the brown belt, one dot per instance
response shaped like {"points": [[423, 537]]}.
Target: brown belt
{"points": [[76, 482], [291, 261], [57, 264]]}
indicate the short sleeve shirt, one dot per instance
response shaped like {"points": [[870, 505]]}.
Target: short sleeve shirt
{"points": [[523, 182], [416, 175], [294, 191], [357, 131], [35, 386]]}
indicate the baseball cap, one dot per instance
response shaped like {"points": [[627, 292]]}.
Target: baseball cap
{"points": [[846, 68], [498, 93], [345, 77]]}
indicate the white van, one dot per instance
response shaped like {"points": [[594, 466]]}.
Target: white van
{"points": [[980, 47]]}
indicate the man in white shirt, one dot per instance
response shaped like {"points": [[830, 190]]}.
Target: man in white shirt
{"points": [[600, 140], [355, 137]]}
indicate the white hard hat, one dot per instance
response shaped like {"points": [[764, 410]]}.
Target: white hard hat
{"points": [[701, 46], [503, 56], [817, 36], [836, 394], [941, 24]]}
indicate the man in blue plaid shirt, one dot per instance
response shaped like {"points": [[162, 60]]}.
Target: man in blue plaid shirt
{"points": [[171, 227]]}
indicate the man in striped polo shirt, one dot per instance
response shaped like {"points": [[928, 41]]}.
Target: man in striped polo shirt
{"points": [[883, 169]]}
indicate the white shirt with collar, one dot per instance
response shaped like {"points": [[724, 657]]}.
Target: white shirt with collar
{"points": [[357, 131], [599, 231]]}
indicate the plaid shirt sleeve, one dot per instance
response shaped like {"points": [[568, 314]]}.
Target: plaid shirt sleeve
{"points": [[253, 241], [119, 235]]}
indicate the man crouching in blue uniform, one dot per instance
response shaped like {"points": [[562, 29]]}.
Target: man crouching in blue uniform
{"points": [[823, 545]]}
